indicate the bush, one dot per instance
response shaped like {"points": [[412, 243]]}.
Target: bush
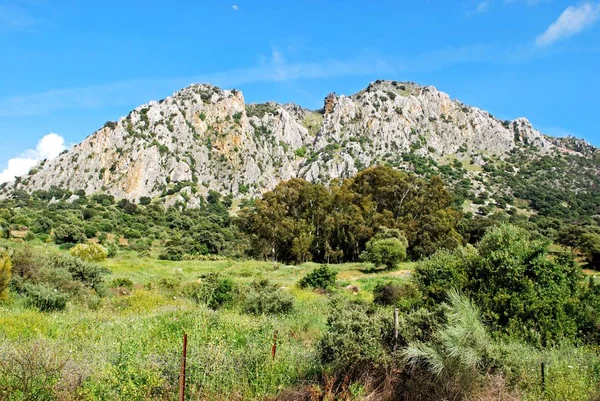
{"points": [[214, 291], [300, 152], [458, 355], [90, 230], [390, 293], [30, 236], [267, 298], [322, 278], [352, 342], [122, 282], [42, 225], [520, 287], [45, 298], [87, 273], [66, 234], [387, 251], [442, 271], [5, 274], [39, 370], [589, 244], [112, 250], [89, 252], [66, 246], [173, 253]]}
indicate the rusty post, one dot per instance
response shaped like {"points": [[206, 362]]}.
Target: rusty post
{"points": [[182, 372], [274, 348], [395, 328]]}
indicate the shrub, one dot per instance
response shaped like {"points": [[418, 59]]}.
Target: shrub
{"points": [[521, 289], [352, 342], [300, 152], [5, 274], [112, 250], [132, 233], [589, 244], [390, 293], [322, 278], [65, 234], [42, 225], [173, 253], [90, 230], [87, 273], [30, 236], [267, 298], [39, 370], [214, 291], [459, 354], [172, 284], [45, 298], [122, 282], [442, 271], [387, 251], [89, 252]]}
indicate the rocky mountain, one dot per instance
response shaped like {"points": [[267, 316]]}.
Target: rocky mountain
{"points": [[204, 138]]}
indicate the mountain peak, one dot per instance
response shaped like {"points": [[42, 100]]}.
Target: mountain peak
{"points": [[205, 138]]}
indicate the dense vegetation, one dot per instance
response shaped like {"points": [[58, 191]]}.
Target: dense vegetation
{"points": [[95, 294], [299, 221]]}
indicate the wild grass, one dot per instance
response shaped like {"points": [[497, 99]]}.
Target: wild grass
{"points": [[127, 346]]}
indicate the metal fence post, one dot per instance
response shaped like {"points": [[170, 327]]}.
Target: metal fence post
{"points": [[395, 328], [182, 372]]}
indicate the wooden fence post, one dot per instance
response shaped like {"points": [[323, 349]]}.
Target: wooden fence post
{"points": [[182, 372]]}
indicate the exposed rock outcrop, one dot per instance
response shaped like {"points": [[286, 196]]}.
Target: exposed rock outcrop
{"points": [[204, 138]]}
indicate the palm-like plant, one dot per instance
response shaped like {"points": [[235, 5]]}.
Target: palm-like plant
{"points": [[459, 353]]}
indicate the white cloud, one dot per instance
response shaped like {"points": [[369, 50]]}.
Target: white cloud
{"points": [[572, 21], [48, 147], [235, 7], [481, 7]]}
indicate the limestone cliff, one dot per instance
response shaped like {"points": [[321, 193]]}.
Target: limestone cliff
{"points": [[204, 138]]}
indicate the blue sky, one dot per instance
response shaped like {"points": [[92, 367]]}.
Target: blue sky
{"points": [[69, 66]]}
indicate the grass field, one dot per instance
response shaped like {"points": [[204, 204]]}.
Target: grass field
{"points": [[127, 345]]}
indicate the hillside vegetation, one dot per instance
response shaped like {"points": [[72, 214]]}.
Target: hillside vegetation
{"points": [[97, 293]]}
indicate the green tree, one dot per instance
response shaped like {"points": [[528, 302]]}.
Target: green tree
{"points": [[520, 288], [386, 249], [589, 244], [42, 225], [442, 271], [65, 234]]}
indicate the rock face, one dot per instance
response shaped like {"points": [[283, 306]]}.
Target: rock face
{"points": [[204, 138]]}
